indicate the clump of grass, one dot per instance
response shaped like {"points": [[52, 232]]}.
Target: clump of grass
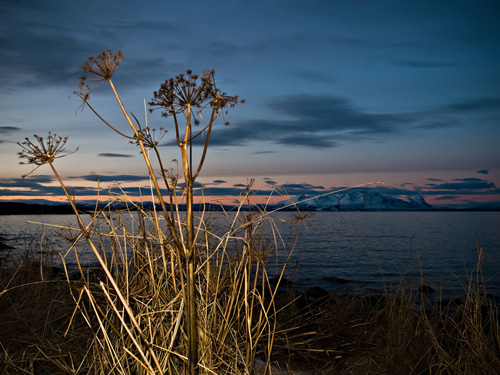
{"points": [[235, 323]]}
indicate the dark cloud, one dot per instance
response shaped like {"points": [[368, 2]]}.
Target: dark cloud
{"points": [[204, 184], [30, 186], [195, 185], [264, 152], [447, 198], [314, 113], [8, 129], [47, 42], [117, 178], [35, 181], [30, 35], [112, 155], [458, 190], [327, 121], [471, 184], [310, 120], [483, 171], [303, 188], [270, 182]]}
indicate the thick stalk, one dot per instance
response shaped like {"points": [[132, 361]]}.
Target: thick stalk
{"points": [[192, 327], [191, 319]]}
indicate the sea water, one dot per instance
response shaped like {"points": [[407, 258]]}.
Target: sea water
{"points": [[358, 250], [369, 249]]}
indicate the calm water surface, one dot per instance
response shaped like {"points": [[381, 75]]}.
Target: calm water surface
{"points": [[368, 247], [364, 248]]}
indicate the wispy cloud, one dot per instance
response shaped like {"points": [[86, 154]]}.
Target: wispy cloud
{"points": [[114, 178], [8, 129], [301, 188], [33, 185], [112, 155], [270, 182], [264, 152], [29, 182], [311, 121], [475, 184], [320, 121]]}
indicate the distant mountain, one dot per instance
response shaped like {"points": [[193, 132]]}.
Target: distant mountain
{"points": [[357, 200]]}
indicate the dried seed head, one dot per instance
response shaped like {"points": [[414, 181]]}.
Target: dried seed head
{"points": [[197, 92], [104, 65], [43, 151]]}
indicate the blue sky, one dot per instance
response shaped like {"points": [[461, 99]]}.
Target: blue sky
{"points": [[338, 93]]}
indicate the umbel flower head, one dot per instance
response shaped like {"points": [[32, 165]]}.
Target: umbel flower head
{"points": [[104, 65], [189, 89], [46, 151], [101, 67]]}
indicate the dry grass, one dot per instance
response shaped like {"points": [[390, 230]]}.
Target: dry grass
{"points": [[244, 324], [130, 314]]}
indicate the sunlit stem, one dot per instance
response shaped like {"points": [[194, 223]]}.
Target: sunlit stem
{"points": [[149, 166], [190, 252]]}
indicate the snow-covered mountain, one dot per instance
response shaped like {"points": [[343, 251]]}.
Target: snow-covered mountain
{"points": [[362, 200]]}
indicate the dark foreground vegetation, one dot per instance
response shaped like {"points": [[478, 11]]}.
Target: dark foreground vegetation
{"points": [[53, 324]]}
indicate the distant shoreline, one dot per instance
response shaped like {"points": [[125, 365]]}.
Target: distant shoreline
{"points": [[21, 208]]}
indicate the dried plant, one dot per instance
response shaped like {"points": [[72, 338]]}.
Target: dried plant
{"points": [[43, 151], [214, 301], [102, 66]]}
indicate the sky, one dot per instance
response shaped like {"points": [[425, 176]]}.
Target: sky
{"points": [[337, 94]]}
